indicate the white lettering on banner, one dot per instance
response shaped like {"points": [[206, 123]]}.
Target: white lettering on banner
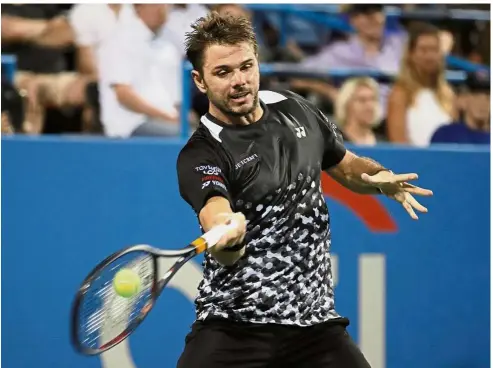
{"points": [[371, 308], [371, 305], [208, 170], [371, 311]]}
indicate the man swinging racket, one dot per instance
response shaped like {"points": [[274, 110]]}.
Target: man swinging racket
{"points": [[266, 299]]}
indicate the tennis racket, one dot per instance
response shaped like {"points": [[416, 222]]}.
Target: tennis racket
{"points": [[100, 318]]}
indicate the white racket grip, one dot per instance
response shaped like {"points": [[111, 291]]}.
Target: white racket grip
{"points": [[213, 236]]}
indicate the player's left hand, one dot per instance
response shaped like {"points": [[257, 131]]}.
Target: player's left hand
{"points": [[396, 187]]}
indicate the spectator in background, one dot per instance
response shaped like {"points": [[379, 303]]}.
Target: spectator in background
{"points": [[13, 109], [475, 127], [369, 48], [139, 76], [421, 99], [92, 24], [272, 51], [235, 10], [7, 128], [37, 35], [358, 112], [179, 22]]}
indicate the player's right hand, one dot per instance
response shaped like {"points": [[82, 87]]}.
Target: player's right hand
{"points": [[234, 236]]}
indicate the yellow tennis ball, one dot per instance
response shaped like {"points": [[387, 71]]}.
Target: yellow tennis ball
{"points": [[126, 283]]}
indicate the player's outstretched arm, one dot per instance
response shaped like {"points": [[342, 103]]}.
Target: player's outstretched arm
{"points": [[366, 176], [218, 211], [348, 173]]}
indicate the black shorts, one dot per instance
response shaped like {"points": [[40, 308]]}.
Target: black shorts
{"points": [[218, 343]]}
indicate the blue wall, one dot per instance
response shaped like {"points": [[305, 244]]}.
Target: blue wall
{"points": [[67, 203]]}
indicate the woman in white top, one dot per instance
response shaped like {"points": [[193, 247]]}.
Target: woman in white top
{"points": [[358, 111], [421, 99]]}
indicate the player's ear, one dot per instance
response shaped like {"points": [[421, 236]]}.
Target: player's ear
{"points": [[199, 81]]}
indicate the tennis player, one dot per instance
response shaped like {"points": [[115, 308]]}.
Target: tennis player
{"points": [[267, 299]]}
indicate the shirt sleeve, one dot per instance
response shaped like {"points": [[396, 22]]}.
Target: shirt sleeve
{"points": [[117, 63], [440, 136], [334, 149], [81, 20], [201, 175], [9, 9]]}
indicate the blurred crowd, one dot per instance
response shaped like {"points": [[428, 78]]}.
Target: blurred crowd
{"points": [[116, 70]]}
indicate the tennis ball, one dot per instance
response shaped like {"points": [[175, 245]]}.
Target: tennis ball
{"points": [[126, 283]]}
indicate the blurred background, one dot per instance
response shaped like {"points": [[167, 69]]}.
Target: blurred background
{"points": [[97, 101], [396, 74]]}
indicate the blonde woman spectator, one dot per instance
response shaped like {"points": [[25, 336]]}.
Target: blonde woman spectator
{"points": [[421, 99], [357, 111]]}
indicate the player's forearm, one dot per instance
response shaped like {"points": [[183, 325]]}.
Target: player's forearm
{"points": [[213, 214], [349, 171], [209, 216]]}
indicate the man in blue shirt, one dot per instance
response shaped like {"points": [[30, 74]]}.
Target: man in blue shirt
{"points": [[475, 125]]}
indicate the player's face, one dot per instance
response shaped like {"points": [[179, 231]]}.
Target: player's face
{"points": [[231, 78], [363, 106]]}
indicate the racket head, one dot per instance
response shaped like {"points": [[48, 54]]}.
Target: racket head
{"points": [[100, 318]]}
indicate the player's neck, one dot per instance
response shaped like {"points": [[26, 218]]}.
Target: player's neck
{"points": [[247, 119]]}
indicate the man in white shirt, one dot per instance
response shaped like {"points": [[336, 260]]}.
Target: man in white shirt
{"points": [[140, 76], [180, 20], [92, 25]]}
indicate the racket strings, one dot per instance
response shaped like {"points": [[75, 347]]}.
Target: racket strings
{"points": [[104, 315]]}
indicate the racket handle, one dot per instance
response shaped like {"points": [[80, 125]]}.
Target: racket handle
{"points": [[213, 236]]}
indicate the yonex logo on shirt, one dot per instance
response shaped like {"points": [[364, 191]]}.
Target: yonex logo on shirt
{"points": [[300, 132], [214, 183]]}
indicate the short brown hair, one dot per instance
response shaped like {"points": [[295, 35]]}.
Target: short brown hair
{"points": [[215, 29]]}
